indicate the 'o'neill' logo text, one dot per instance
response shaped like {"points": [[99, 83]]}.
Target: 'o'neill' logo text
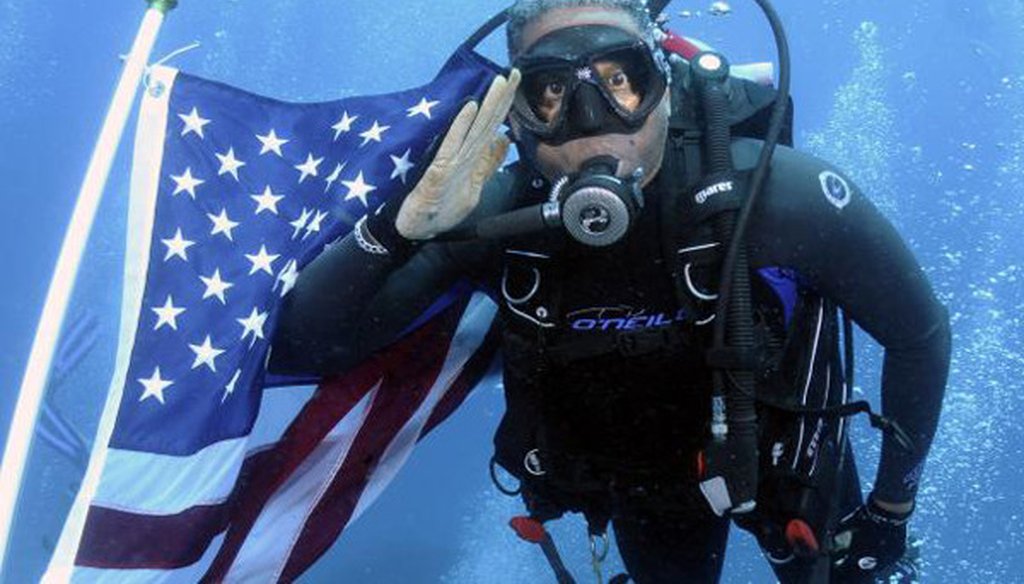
{"points": [[722, 187], [622, 319]]}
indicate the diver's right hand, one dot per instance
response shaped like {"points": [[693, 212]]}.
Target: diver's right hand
{"points": [[868, 543], [471, 152]]}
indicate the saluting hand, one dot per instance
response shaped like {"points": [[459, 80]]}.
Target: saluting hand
{"points": [[471, 152]]}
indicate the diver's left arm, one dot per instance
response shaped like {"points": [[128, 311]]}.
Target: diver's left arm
{"points": [[814, 219]]}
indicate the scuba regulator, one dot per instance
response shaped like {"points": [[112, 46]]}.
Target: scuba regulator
{"points": [[593, 206]]}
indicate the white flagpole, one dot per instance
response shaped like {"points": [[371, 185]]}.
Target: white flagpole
{"points": [[33, 384]]}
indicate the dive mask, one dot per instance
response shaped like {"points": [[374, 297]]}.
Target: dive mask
{"points": [[588, 80]]}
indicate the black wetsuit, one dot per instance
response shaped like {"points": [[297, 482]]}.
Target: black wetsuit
{"points": [[653, 408]]}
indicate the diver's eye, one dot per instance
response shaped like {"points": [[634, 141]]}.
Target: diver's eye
{"points": [[549, 100], [554, 89], [618, 80]]}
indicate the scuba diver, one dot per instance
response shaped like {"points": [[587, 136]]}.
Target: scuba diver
{"points": [[605, 248]]}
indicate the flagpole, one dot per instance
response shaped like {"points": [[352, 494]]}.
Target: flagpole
{"points": [[33, 384]]}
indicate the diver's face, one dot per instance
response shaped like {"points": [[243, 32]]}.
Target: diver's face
{"points": [[641, 149]]}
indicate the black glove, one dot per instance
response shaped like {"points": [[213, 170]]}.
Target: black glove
{"points": [[869, 543]]}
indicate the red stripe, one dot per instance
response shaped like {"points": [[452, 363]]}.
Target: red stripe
{"points": [[396, 401], [124, 541], [329, 405], [331, 402], [120, 540], [472, 374]]}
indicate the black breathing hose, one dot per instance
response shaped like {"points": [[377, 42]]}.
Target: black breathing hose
{"points": [[763, 165], [734, 449]]}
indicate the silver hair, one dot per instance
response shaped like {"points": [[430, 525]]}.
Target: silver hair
{"points": [[524, 11]]}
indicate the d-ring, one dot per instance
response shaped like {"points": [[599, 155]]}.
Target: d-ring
{"points": [[529, 295], [497, 483], [693, 288]]}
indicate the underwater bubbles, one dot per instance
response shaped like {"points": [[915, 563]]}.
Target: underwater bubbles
{"points": [[860, 135], [716, 9], [13, 40], [720, 9]]}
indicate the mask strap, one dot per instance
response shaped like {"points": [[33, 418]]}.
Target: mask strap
{"points": [[486, 30]]}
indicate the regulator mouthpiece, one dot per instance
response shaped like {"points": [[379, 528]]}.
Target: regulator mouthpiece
{"points": [[598, 208]]}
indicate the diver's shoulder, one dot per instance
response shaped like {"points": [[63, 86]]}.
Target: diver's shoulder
{"points": [[747, 151], [793, 170], [801, 187]]}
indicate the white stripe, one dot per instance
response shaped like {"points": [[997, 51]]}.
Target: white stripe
{"points": [[282, 518], [271, 542], [145, 180], [140, 478], [807, 385], [828, 390], [158, 484], [475, 323]]}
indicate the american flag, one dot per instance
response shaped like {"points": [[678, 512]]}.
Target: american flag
{"points": [[204, 468]]}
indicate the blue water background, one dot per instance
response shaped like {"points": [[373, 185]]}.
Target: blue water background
{"points": [[921, 101]]}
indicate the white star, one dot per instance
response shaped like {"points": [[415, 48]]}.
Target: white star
{"points": [[374, 134], [422, 108], [215, 287], [271, 143], [230, 387], [261, 261], [267, 201], [300, 223], [155, 387], [335, 176], [186, 183], [344, 125], [193, 123], [358, 189], [206, 354], [288, 276], [229, 164], [222, 224], [167, 314], [253, 325], [309, 167], [314, 225], [177, 246], [402, 166]]}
